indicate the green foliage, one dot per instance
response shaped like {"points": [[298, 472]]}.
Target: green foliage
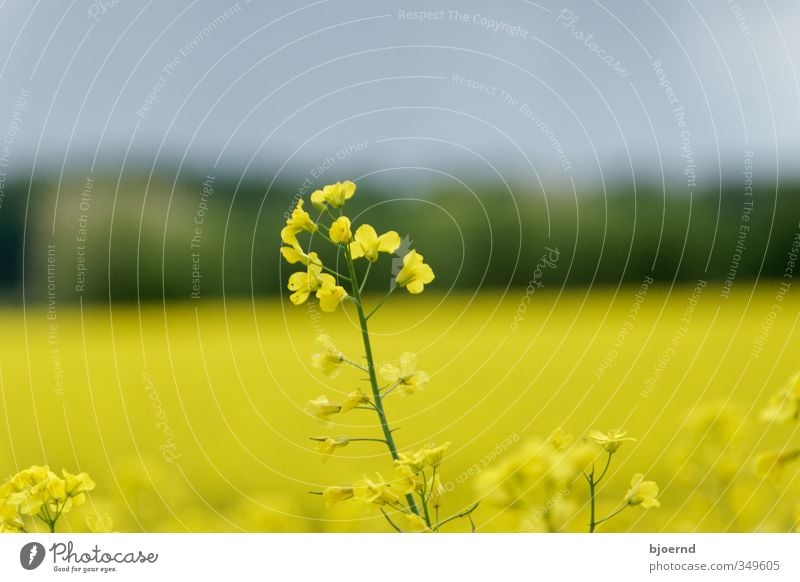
{"points": [[139, 235]]}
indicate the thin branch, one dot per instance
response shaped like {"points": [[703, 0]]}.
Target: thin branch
{"points": [[366, 276], [392, 387], [605, 469], [464, 513], [391, 523], [381, 302]]}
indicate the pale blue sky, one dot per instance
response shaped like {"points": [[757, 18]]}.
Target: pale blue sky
{"points": [[288, 84]]}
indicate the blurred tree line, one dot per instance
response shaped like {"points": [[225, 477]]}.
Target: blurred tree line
{"points": [[145, 238]]}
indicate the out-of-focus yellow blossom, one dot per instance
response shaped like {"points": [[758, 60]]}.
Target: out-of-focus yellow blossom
{"points": [[99, 523], [411, 522], [333, 495], [429, 456], [11, 525], [559, 439], [784, 406], [299, 221], [49, 491], [322, 408], [368, 244], [406, 479], [415, 274], [333, 194], [581, 456], [330, 359], [376, 492], [304, 283], [9, 516], [28, 478], [330, 294], [340, 231], [77, 486], [355, 398], [327, 445], [405, 374], [295, 254], [612, 440], [436, 490], [770, 465], [642, 492]]}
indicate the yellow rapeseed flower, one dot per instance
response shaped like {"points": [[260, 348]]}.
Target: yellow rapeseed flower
{"points": [[333, 194], [332, 495], [327, 445], [353, 399], [376, 492], [368, 244], [432, 455], [299, 221], [304, 283], [642, 492], [77, 486], [405, 374], [295, 254], [330, 294], [429, 456], [406, 479], [340, 231], [415, 274], [329, 360], [32, 488], [29, 477], [612, 440], [322, 408]]}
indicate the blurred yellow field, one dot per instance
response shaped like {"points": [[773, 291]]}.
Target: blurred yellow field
{"points": [[190, 416]]}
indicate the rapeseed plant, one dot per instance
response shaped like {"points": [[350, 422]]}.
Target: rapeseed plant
{"points": [[38, 493], [536, 487], [411, 501]]}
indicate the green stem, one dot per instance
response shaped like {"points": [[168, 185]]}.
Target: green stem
{"points": [[593, 495], [373, 379], [605, 469], [592, 501], [424, 498], [610, 515], [438, 501]]}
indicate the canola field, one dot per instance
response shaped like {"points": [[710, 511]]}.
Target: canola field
{"points": [[192, 416]]}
